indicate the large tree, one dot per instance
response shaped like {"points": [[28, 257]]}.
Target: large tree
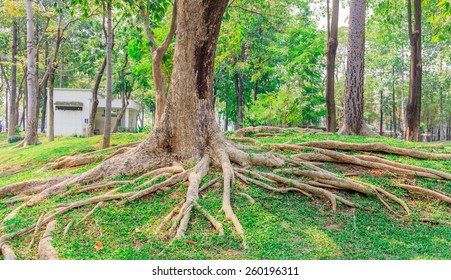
{"points": [[31, 137], [413, 110], [332, 44], [353, 122], [109, 70], [188, 140]]}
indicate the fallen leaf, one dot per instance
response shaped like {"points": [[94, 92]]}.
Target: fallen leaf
{"points": [[191, 242], [137, 230], [98, 246]]}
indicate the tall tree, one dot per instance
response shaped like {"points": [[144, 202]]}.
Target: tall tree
{"points": [[13, 118], [353, 122], [332, 44], [31, 137], [109, 83], [413, 110], [157, 58]]}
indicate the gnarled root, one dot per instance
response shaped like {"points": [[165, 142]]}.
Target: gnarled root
{"points": [[46, 250], [155, 170]]}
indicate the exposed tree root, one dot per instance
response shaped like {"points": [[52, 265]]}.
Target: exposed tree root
{"points": [[374, 147], [152, 169], [7, 252], [46, 250]]}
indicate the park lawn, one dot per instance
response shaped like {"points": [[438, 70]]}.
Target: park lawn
{"points": [[276, 226]]}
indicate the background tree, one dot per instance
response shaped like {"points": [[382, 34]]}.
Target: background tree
{"points": [[353, 117], [332, 44], [414, 100]]}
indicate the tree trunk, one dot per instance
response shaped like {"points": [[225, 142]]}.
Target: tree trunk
{"points": [[124, 97], [188, 121], [31, 137], [414, 100], [403, 114], [13, 107], [44, 91], [157, 61], [332, 44], [7, 92], [354, 123], [95, 100], [255, 90], [393, 103], [381, 114], [62, 72], [226, 120], [109, 97], [441, 121], [51, 128]]}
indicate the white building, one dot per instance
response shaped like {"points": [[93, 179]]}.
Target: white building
{"points": [[72, 108]]}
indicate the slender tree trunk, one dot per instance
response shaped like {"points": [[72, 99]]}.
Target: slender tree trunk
{"points": [[51, 128], [109, 94], [403, 114], [38, 86], [226, 120], [414, 101], [381, 114], [95, 100], [124, 97], [255, 90], [332, 44], [393, 103], [353, 117], [62, 71], [13, 107], [7, 93], [441, 121], [31, 137], [44, 91], [157, 61]]}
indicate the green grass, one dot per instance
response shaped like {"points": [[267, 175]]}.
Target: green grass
{"points": [[276, 226]]}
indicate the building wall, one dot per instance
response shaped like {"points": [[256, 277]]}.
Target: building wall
{"points": [[69, 122]]}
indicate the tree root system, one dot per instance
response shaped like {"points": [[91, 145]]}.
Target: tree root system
{"points": [[154, 169]]}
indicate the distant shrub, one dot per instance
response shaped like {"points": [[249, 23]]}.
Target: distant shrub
{"points": [[15, 138], [75, 135], [146, 128], [125, 129], [17, 129]]}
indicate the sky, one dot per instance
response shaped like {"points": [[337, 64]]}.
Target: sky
{"points": [[342, 18]]}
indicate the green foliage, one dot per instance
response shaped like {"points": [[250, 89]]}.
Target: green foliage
{"points": [[15, 138]]}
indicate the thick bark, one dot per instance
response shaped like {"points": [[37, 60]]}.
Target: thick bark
{"points": [[188, 122], [332, 44], [109, 97], [157, 61], [414, 101], [13, 118], [95, 100], [31, 137], [353, 122]]}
